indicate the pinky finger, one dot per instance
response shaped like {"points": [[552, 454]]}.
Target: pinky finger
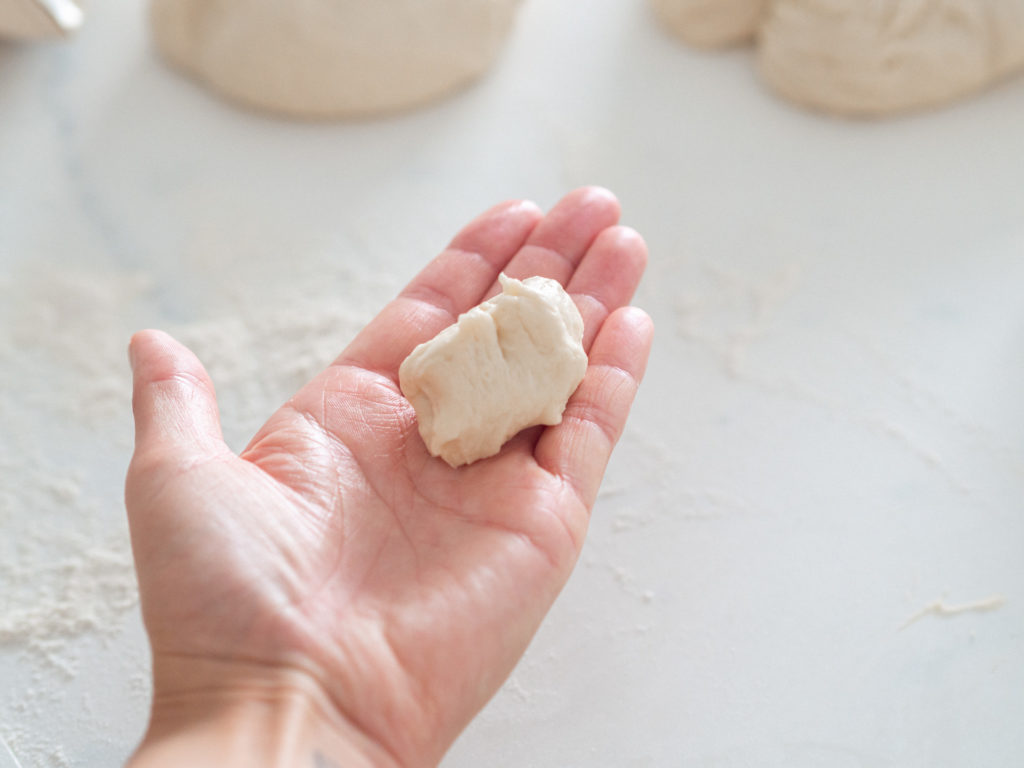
{"points": [[578, 449]]}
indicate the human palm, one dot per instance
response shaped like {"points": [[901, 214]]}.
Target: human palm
{"points": [[334, 547]]}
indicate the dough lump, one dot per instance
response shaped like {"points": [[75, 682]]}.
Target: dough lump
{"points": [[39, 20], [707, 23], [863, 57], [868, 58], [507, 364], [332, 58]]}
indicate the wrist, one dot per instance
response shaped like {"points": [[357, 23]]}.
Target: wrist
{"points": [[226, 714]]}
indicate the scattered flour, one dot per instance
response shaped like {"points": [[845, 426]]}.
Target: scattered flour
{"points": [[87, 588], [731, 315], [644, 485], [734, 310], [67, 582]]}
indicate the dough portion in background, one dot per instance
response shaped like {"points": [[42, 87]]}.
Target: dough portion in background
{"points": [[709, 23], [332, 58], [39, 19], [863, 57], [873, 58]]}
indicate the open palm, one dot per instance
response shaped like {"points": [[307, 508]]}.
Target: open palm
{"points": [[335, 550]]}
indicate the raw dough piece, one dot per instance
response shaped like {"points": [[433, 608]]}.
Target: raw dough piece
{"points": [[708, 23], [510, 363], [868, 57], [329, 58]]}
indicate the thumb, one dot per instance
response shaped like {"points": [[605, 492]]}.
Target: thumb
{"points": [[174, 401]]}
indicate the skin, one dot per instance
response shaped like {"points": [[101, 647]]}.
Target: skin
{"points": [[334, 595]]}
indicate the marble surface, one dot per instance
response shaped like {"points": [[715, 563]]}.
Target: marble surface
{"points": [[829, 440]]}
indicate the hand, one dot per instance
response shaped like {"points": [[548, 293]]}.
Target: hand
{"points": [[336, 576]]}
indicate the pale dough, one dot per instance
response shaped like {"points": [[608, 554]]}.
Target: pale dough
{"points": [[863, 57], [507, 364], [867, 58], [332, 58], [707, 23]]}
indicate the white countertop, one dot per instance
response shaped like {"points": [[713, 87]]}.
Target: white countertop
{"points": [[829, 440]]}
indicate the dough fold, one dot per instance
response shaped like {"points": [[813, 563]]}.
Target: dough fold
{"points": [[505, 365]]}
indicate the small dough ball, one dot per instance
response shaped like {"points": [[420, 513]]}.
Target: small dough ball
{"points": [[508, 364], [711, 23], [332, 58], [856, 57]]}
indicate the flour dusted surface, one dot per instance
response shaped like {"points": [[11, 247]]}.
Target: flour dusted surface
{"points": [[68, 596]]}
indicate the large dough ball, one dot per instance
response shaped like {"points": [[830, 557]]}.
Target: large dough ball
{"points": [[709, 23], [869, 57], [328, 58]]}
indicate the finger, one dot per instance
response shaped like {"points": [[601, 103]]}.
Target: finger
{"points": [[578, 449], [563, 236], [605, 280], [173, 400], [451, 284], [607, 277]]}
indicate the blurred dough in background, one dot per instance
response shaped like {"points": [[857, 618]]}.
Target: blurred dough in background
{"points": [[332, 58], [38, 19], [864, 57], [710, 23]]}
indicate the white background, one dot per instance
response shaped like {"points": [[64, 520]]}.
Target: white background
{"points": [[830, 437]]}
